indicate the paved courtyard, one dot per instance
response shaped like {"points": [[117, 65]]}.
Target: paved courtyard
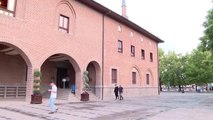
{"points": [[167, 106]]}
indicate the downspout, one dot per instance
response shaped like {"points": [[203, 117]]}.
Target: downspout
{"points": [[103, 39], [158, 72]]}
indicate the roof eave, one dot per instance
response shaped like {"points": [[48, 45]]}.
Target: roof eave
{"points": [[117, 17]]}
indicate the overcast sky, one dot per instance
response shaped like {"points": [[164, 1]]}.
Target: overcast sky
{"points": [[177, 22]]}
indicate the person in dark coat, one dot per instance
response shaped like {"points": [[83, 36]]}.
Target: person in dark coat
{"points": [[120, 91], [116, 92]]}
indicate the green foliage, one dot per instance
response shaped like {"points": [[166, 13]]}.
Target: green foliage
{"points": [[178, 70], [172, 67], [37, 82], [200, 67], [36, 92], [37, 73], [86, 80], [36, 87], [194, 68], [207, 39]]}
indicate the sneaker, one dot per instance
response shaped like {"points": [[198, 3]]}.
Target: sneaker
{"points": [[51, 113], [56, 110]]}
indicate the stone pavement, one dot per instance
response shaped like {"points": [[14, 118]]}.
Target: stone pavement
{"points": [[167, 106]]}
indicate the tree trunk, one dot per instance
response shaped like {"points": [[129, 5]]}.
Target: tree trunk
{"points": [[183, 89], [195, 87], [179, 88], [207, 89]]}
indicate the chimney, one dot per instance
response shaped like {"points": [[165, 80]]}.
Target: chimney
{"points": [[124, 9]]}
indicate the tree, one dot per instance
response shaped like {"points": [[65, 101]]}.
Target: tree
{"points": [[199, 68], [207, 39], [161, 57], [86, 80], [172, 67], [181, 70], [85, 95]]}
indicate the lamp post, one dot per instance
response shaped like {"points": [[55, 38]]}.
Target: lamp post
{"points": [[64, 80]]}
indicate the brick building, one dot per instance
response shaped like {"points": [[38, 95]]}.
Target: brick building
{"points": [[63, 38]]}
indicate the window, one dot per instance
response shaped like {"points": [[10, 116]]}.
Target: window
{"points": [[119, 28], [132, 50], [151, 57], [7, 7], [131, 34], [114, 75], [63, 24], [143, 54], [147, 79], [133, 77], [4, 4], [120, 46], [141, 39]]}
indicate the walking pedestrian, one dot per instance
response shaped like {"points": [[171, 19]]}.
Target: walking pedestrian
{"points": [[120, 90], [53, 95], [116, 92]]}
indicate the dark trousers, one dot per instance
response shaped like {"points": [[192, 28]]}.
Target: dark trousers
{"points": [[121, 96], [116, 96]]}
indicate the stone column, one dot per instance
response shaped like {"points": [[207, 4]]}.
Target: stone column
{"points": [[29, 83]]}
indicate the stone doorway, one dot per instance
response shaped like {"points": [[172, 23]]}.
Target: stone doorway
{"points": [[60, 69]]}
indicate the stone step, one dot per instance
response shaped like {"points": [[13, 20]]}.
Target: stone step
{"points": [[65, 94], [62, 94], [93, 97], [73, 98]]}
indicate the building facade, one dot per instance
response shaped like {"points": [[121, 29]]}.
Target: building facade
{"points": [[64, 38]]}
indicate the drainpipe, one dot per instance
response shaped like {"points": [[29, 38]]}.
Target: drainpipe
{"points": [[158, 71], [103, 39]]}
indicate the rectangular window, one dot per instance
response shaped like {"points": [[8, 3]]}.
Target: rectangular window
{"points": [[147, 79], [133, 77], [151, 57], [132, 51], [114, 76], [119, 28], [7, 7], [63, 23], [131, 34], [143, 54], [120, 46]]}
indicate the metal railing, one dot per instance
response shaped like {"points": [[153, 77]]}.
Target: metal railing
{"points": [[12, 91]]}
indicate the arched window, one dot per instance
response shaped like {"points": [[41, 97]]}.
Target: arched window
{"points": [[134, 77], [147, 79], [63, 23]]}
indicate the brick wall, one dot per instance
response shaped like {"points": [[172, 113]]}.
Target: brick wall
{"points": [[34, 30], [125, 63]]}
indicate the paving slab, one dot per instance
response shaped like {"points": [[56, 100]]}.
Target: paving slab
{"points": [[167, 106]]}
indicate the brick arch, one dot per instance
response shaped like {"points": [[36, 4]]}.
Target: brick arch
{"points": [[23, 53], [20, 51], [51, 63], [139, 74], [71, 60], [94, 70], [65, 8], [151, 76], [97, 70], [66, 2]]}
